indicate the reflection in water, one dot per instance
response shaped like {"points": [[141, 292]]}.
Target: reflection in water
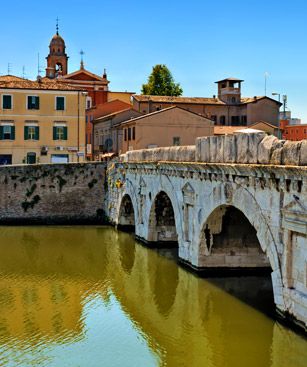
{"points": [[87, 296]]}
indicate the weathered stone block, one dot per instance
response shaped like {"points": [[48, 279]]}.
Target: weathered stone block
{"points": [[203, 149], [242, 148], [291, 153], [303, 154], [265, 149], [213, 149], [230, 148], [277, 152], [253, 142], [219, 158]]}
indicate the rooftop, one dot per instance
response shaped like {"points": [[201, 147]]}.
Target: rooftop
{"points": [[235, 80], [15, 82], [194, 100]]}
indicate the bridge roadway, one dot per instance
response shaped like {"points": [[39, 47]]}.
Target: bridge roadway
{"points": [[233, 202]]}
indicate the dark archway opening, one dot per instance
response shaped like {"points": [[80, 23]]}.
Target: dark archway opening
{"points": [[162, 226], [126, 218], [230, 241]]}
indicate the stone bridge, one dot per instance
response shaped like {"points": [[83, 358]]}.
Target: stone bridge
{"points": [[232, 202]]}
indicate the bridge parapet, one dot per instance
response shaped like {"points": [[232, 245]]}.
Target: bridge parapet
{"points": [[243, 148]]}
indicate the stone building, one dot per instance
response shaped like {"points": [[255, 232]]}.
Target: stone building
{"points": [[41, 121], [166, 127], [227, 108]]}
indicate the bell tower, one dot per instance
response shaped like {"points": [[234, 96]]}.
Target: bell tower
{"points": [[57, 60]]}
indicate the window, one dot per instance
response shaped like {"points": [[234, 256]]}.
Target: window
{"points": [[235, 120], [176, 140], [31, 158], [7, 132], [88, 102], [129, 133], [60, 103], [233, 99], [213, 117], [222, 120], [31, 133], [33, 103], [6, 102], [125, 133], [59, 133], [133, 133]]}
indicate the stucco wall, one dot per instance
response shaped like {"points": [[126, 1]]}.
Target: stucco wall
{"points": [[52, 193]]}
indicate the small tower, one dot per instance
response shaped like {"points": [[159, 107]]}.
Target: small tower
{"points": [[229, 90], [57, 60]]}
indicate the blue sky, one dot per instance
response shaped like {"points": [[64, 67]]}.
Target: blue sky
{"points": [[200, 41]]}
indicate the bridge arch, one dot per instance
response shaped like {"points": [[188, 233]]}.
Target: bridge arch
{"points": [[250, 211], [162, 226], [126, 215]]}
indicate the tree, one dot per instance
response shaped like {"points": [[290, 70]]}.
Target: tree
{"points": [[161, 83]]}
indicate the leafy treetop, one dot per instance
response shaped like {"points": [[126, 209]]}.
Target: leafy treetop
{"points": [[161, 83]]}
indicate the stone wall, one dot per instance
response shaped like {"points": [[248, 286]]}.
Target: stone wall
{"points": [[52, 193], [243, 148], [251, 148]]}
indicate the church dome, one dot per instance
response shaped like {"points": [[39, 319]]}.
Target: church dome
{"points": [[56, 40]]}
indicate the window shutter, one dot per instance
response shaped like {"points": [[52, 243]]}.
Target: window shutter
{"points": [[54, 133], [36, 132], [26, 133], [13, 133], [29, 102], [60, 103], [65, 133], [37, 103], [1, 132]]}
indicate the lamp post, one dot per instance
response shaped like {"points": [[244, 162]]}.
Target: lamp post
{"points": [[278, 131]]}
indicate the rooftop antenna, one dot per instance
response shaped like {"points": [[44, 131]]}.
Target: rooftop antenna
{"points": [[266, 75], [23, 72], [82, 63], [9, 65], [57, 25], [38, 66]]}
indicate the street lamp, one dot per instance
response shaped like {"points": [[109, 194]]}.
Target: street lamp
{"points": [[278, 131]]}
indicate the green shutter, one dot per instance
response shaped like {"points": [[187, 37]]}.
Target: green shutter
{"points": [[26, 133], [36, 132], [60, 103], [7, 102], [37, 103], [1, 132], [13, 133], [65, 133], [54, 133]]}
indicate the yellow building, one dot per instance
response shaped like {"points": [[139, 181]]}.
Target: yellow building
{"points": [[41, 121]]}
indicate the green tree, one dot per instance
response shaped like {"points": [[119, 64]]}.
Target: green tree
{"points": [[161, 83]]}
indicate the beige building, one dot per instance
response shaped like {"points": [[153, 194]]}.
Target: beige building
{"points": [[227, 108], [166, 127], [108, 135], [41, 121]]}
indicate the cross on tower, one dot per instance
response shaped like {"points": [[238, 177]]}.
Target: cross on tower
{"points": [[57, 25], [82, 64]]}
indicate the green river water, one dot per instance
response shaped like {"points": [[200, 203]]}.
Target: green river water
{"points": [[92, 296]]}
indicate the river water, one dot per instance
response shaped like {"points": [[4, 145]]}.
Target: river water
{"points": [[92, 296]]}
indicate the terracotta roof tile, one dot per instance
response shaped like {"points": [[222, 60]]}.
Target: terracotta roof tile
{"points": [[14, 82], [170, 99], [223, 130]]}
